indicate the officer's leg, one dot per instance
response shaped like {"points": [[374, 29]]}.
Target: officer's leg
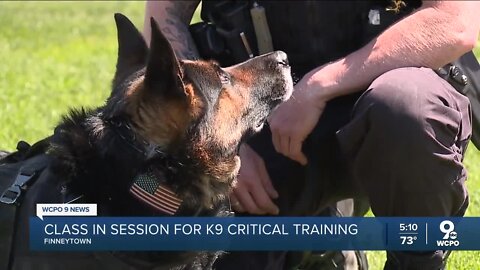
{"points": [[302, 196], [335, 260], [406, 144]]}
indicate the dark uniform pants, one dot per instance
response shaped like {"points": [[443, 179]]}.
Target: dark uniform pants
{"points": [[400, 144]]}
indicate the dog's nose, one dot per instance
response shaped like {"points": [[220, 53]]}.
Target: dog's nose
{"points": [[281, 58]]}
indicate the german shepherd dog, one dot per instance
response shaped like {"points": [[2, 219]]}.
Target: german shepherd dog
{"points": [[180, 121]]}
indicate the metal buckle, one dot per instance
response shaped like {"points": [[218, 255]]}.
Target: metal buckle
{"points": [[11, 195], [15, 191]]}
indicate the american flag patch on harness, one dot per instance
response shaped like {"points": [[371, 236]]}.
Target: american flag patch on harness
{"points": [[148, 189]]}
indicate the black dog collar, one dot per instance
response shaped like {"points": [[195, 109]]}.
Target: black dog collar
{"points": [[148, 187], [128, 135]]}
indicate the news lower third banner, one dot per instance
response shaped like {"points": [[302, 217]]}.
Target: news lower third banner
{"points": [[252, 233]]}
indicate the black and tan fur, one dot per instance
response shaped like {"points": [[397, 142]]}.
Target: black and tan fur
{"points": [[184, 118]]}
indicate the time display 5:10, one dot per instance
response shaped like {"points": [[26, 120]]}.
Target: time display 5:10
{"points": [[408, 227]]}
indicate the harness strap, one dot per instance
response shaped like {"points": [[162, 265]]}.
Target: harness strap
{"points": [[9, 202], [24, 176], [7, 229]]}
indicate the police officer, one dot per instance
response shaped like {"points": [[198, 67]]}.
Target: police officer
{"points": [[369, 116]]}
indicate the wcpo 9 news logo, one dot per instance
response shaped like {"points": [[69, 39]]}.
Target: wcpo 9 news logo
{"points": [[447, 227]]}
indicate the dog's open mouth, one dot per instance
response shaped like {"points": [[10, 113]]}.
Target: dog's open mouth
{"points": [[259, 125], [288, 90]]}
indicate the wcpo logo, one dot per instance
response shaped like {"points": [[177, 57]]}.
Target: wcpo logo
{"points": [[450, 236]]}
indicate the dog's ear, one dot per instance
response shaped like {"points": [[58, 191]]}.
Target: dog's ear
{"points": [[163, 72], [132, 49]]}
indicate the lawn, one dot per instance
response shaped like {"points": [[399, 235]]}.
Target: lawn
{"points": [[60, 55]]}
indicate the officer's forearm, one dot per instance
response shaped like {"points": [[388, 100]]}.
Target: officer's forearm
{"points": [[173, 18], [431, 37]]}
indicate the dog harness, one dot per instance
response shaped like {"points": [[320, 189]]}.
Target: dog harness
{"points": [[150, 186], [23, 167]]}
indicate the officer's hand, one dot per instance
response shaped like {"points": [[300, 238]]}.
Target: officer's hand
{"points": [[294, 120], [254, 191]]}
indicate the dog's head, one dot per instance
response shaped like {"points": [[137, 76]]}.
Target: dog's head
{"points": [[193, 106]]}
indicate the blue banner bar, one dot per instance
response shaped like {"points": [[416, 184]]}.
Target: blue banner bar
{"points": [[253, 233]]}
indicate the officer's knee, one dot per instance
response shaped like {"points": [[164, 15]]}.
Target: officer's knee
{"points": [[407, 102], [396, 105]]}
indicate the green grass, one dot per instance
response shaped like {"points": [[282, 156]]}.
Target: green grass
{"points": [[56, 55]]}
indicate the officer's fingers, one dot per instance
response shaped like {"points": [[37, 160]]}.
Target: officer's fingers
{"points": [[236, 204], [263, 201], [246, 201], [285, 145], [295, 151], [265, 179], [276, 139]]}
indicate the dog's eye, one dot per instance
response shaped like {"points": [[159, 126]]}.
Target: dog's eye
{"points": [[224, 78]]}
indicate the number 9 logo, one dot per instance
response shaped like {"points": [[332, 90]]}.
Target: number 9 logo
{"points": [[447, 228]]}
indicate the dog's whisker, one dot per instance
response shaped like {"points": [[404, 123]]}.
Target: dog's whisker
{"points": [[295, 78]]}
